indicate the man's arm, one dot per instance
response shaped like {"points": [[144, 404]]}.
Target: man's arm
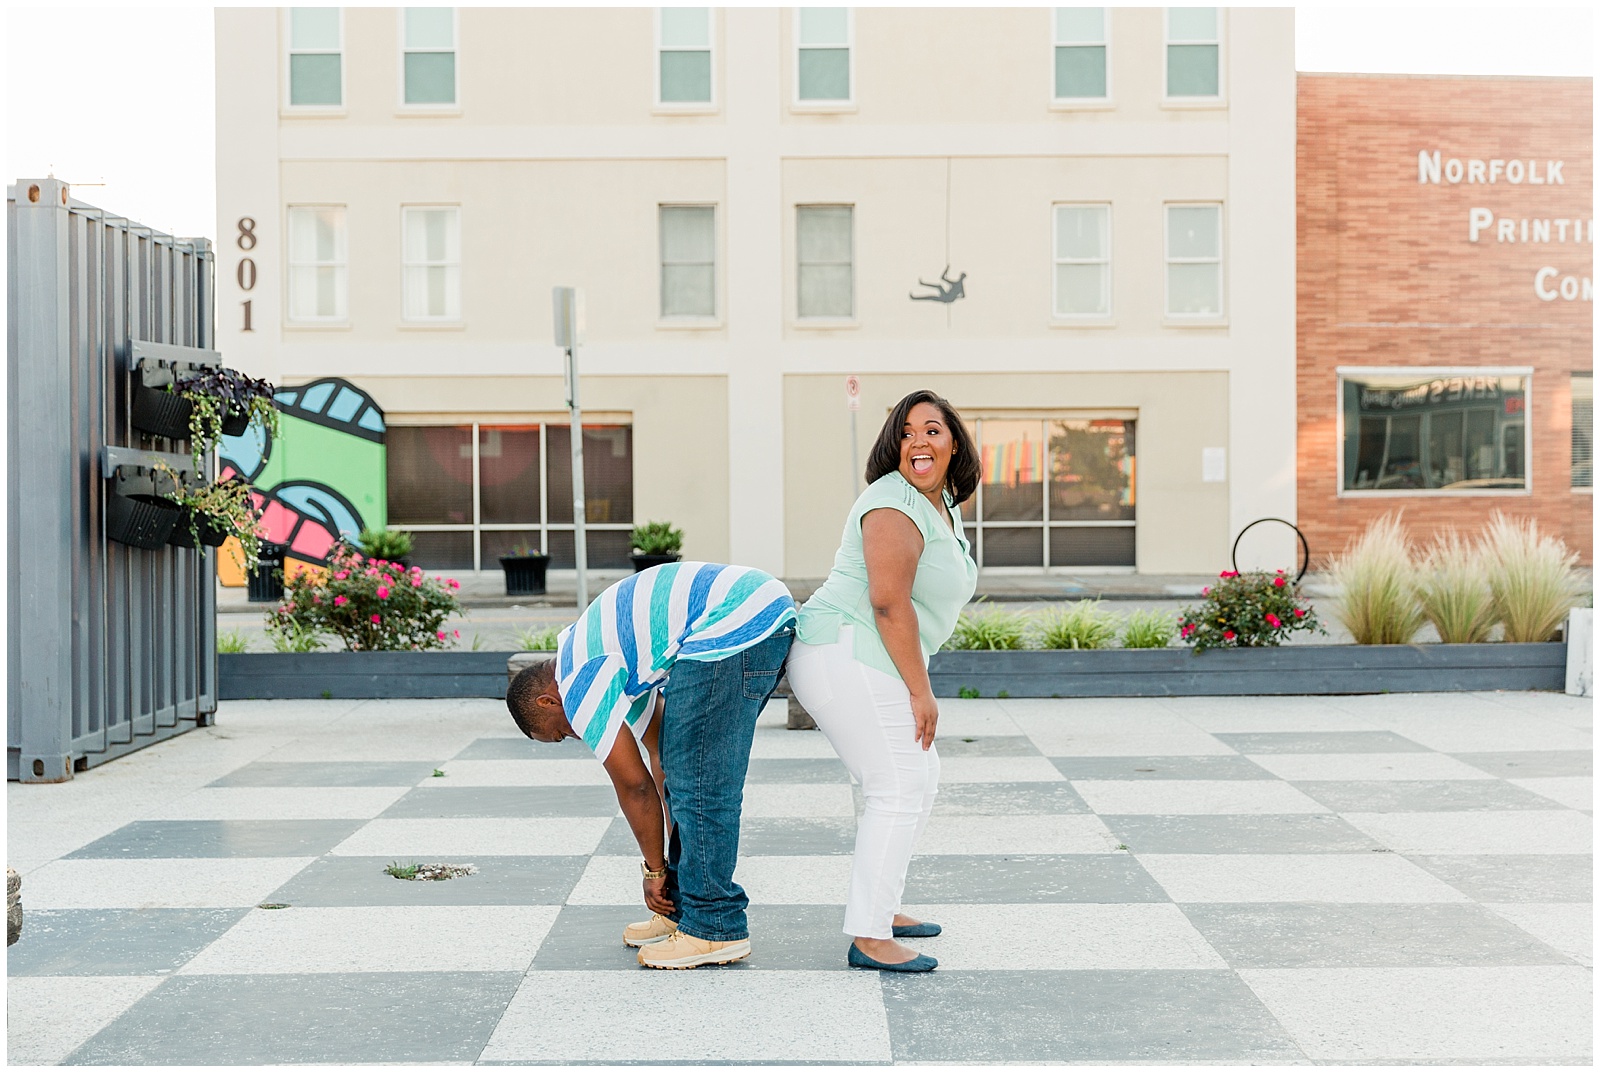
{"points": [[652, 745], [641, 804]]}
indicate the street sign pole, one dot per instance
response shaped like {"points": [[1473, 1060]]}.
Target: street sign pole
{"points": [[568, 302], [852, 394]]}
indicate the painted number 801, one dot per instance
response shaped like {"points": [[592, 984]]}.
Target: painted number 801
{"points": [[246, 273]]}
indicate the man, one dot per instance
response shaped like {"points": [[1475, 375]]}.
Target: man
{"points": [[722, 633]]}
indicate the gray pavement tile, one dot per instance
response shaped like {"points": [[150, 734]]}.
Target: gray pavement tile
{"points": [[1004, 799], [1160, 767], [523, 749], [319, 773], [220, 838], [503, 802], [361, 881], [1074, 877], [1430, 795], [996, 745], [1272, 833], [1086, 1015], [1323, 741], [763, 770], [1532, 765], [1375, 935], [114, 942], [807, 937], [758, 837], [314, 1018], [1514, 877]]}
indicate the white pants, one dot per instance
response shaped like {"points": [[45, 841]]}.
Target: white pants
{"points": [[866, 716]]}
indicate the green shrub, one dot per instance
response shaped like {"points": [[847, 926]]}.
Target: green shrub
{"points": [[535, 639], [1081, 625], [1148, 629], [1246, 611], [1452, 588], [989, 630], [1533, 579], [232, 642], [1376, 578], [385, 544], [370, 605], [657, 538], [290, 634]]}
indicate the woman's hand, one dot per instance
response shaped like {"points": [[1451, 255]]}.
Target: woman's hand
{"points": [[655, 896], [925, 710]]}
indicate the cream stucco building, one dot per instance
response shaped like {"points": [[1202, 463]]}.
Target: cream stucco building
{"points": [[749, 199]]}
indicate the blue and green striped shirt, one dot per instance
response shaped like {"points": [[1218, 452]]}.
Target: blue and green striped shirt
{"points": [[611, 662]]}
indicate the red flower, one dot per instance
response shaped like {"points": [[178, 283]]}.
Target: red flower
{"points": [[383, 593], [1274, 619], [1206, 591], [377, 618], [340, 601], [1227, 635], [1299, 613], [1278, 583]]}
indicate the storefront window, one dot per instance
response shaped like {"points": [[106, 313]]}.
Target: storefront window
{"points": [[471, 493], [1583, 430], [1457, 432]]}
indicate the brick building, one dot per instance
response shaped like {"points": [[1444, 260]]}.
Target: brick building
{"points": [[1445, 332]]}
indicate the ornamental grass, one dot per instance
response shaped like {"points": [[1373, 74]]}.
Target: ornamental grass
{"points": [[991, 630], [1375, 577], [1148, 629], [1452, 589], [1533, 579], [1081, 625]]}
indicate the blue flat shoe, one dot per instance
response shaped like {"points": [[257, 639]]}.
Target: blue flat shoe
{"points": [[917, 931], [920, 963]]}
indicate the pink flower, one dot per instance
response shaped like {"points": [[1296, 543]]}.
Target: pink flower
{"points": [[355, 556], [340, 601], [1227, 635], [1278, 582], [341, 575], [416, 581], [377, 618], [441, 635], [454, 584], [316, 599], [457, 634], [1299, 613], [417, 570], [288, 606], [371, 572], [1188, 628], [1274, 619], [383, 593], [1206, 591]]}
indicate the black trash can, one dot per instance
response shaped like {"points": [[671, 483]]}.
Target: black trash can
{"points": [[266, 580]]}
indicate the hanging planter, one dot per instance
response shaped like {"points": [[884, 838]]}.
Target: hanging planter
{"points": [[197, 530], [211, 513], [224, 402], [138, 510], [158, 408], [236, 422]]}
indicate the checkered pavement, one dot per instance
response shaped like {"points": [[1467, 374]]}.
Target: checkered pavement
{"points": [[1234, 880]]}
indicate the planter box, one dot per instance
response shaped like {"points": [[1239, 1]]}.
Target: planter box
{"points": [[360, 675], [212, 535], [137, 513], [1290, 670], [525, 574], [645, 562]]}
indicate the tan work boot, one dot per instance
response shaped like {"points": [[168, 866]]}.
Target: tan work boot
{"points": [[649, 931], [682, 951]]}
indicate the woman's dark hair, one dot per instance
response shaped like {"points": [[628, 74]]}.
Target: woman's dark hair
{"points": [[961, 480]]}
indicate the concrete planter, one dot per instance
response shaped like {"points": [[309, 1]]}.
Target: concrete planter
{"points": [[360, 675], [1295, 669]]}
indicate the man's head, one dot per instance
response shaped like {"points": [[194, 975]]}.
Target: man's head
{"points": [[535, 703]]}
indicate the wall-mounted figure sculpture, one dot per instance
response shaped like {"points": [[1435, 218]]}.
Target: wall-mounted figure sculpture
{"points": [[947, 294]]}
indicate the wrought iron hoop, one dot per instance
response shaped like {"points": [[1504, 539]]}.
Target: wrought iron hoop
{"points": [[1305, 549]]}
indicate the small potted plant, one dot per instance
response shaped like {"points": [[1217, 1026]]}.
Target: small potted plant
{"points": [[223, 402], [386, 545], [211, 513], [655, 543], [525, 570]]}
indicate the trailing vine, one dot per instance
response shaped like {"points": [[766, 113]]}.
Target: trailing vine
{"points": [[214, 393]]}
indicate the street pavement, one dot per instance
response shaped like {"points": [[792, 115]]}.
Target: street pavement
{"points": [[1384, 879]]}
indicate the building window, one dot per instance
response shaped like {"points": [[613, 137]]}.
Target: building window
{"points": [[824, 239], [1583, 430], [1081, 52], [1194, 52], [316, 64], [1083, 260], [429, 60], [431, 268], [1408, 430], [1055, 492], [471, 493], [317, 263], [1194, 260], [822, 59], [688, 261], [683, 55]]}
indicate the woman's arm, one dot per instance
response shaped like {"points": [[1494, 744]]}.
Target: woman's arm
{"points": [[891, 545]]}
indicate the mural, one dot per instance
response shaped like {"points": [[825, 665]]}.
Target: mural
{"points": [[322, 477]]}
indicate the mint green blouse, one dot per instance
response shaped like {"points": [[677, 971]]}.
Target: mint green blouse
{"points": [[946, 578]]}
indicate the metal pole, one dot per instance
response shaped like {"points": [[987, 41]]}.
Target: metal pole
{"points": [[855, 459], [579, 539]]}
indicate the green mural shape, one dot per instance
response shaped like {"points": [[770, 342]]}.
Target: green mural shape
{"points": [[355, 467]]}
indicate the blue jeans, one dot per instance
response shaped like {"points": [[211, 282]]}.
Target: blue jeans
{"points": [[706, 732]]}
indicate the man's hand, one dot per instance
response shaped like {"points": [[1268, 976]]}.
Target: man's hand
{"points": [[655, 896]]}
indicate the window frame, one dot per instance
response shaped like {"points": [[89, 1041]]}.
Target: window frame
{"points": [[286, 105], [1066, 104], [825, 320], [1056, 262], [688, 320], [1220, 317], [686, 107], [1422, 372], [406, 209], [1221, 98], [1572, 405], [404, 107], [337, 320], [845, 104]]}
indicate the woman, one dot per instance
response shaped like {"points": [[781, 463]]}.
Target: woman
{"points": [[860, 659]]}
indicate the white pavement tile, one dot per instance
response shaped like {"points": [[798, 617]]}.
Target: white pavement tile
{"points": [[738, 1017], [280, 803], [803, 801], [1014, 834], [1478, 832], [784, 744], [1482, 731], [1577, 712], [977, 718], [1153, 935], [158, 883], [1400, 1014], [49, 1017], [1298, 877], [455, 839], [583, 771], [1193, 797], [1356, 767], [1567, 927], [767, 880], [953, 769], [412, 938], [31, 843], [1108, 731], [1573, 791], [1265, 715]]}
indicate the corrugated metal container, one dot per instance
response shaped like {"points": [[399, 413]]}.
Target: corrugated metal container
{"points": [[110, 647]]}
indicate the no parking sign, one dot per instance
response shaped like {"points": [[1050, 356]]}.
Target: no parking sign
{"points": [[852, 392]]}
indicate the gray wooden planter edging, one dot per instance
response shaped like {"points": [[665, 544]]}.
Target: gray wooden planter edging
{"points": [[360, 675]]}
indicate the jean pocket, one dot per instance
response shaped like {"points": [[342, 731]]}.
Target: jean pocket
{"points": [[758, 685]]}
